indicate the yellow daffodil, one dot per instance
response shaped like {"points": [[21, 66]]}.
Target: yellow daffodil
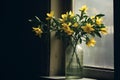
{"points": [[61, 20], [71, 14], [64, 17], [75, 24], [50, 15], [69, 32], [65, 24], [92, 17], [91, 42], [104, 31], [88, 28], [99, 21], [84, 8], [38, 31], [66, 28], [80, 27]]}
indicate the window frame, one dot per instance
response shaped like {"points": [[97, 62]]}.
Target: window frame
{"points": [[95, 72]]}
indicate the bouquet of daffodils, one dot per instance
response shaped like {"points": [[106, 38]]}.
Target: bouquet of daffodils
{"points": [[73, 27]]}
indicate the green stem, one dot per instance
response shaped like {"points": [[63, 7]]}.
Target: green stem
{"points": [[74, 53], [78, 60]]}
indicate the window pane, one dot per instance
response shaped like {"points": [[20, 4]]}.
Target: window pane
{"points": [[102, 55]]}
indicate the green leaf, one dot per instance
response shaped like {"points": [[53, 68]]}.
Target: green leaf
{"points": [[74, 19], [78, 16], [87, 39], [98, 34], [92, 34], [89, 20], [99, 15], [85, 16], [102, 26], [83, 33], [80, 40]]}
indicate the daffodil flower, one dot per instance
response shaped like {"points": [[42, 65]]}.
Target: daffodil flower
{"points": [[84, 8], [71, 14], [66, 28], [91, 42], [99, 21], [65, 24], [70, 25], [88, 28], [69, 32], [93, 18], [63, 17], [38, 31], [50, 15], [104, 31], [75, 24]]}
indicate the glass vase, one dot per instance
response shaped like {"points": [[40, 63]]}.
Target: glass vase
{"points": [[74, 62]]}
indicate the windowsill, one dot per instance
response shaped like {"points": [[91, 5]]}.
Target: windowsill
{"points": [[90, 73], [99, 73], [63, 78]]}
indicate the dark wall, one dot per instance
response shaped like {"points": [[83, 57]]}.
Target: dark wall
{"points": [[117, 39], [23, 56]]}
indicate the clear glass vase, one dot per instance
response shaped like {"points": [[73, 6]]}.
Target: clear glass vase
{"points": [[74, 62]]}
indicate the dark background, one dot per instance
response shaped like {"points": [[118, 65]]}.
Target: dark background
{"points": [[117, 39], [23, 56]]}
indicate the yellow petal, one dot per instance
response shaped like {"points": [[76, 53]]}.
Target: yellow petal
{"points": [[50, 15], [38, 31], [75, 24], [91, 42], [84, 8], [88, 28], [71, 14], [104, 31], [99, 21]]}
